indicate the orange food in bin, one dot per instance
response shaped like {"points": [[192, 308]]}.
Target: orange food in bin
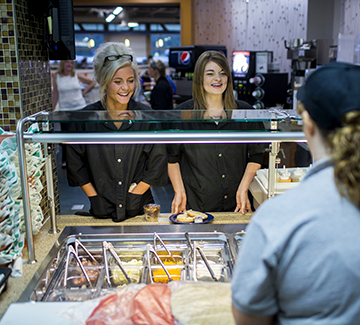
{"points": [[160, 276]]}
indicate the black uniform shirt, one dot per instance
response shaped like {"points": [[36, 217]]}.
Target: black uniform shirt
{"points": [[162, 95], [112, 168], [212, 172]]}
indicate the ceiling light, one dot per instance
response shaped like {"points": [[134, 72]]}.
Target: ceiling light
{"points": [[133, 25], [110, 18], [91, 43], [117, 10]]}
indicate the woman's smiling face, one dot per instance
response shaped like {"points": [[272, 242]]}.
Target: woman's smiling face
{"points": [[121, 87], [215, 79]]}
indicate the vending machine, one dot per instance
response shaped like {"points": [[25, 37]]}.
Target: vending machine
{"points": [[255, 83], [183, 59]]}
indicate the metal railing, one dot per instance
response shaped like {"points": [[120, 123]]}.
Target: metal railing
{"points": [[164, 137]]}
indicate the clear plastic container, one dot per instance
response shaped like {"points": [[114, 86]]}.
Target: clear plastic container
{"points": [[152, 212]]}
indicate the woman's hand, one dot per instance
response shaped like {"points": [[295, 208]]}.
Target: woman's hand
{"points": [[179, 203], [85, 80], [242, 201]]}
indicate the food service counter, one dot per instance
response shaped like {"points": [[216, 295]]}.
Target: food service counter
{"points": [[18, 289]]}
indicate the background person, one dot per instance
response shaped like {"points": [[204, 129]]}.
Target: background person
{"points": [[299, 261], [67, 91], [213, 177], [162, 93], [116, 177]]}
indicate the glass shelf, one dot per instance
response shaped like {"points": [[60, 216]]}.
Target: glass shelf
{"points": [[174, 116], [172, 120]]}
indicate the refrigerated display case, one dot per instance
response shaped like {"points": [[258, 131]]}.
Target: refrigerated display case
{"points": [[280, 126]]}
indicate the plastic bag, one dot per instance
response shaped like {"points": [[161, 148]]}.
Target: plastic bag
{"points": [[135, 305], [152, 306], [116, 309]]}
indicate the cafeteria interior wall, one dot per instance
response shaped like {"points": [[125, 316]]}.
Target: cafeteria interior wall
{"points": [[254, 25], [351, 23], [24, 74]]}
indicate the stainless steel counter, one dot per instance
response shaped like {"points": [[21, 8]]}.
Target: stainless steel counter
{"points": [[45, 242]]}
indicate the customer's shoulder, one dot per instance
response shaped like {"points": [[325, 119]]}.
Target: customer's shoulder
{"points": [[189, 104], [96, 106], [134, 105], [242, 104]]}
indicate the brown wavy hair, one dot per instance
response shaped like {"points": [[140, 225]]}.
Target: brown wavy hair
{"points": [[198, 91], [344, 143]]}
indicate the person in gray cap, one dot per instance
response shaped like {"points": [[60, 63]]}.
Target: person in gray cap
{"points": [[299, 262]]}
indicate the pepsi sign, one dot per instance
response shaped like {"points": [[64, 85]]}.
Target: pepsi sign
{"points": [[185, 58], [181, 59]]}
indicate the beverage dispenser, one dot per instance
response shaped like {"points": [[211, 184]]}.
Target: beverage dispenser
{"points": [[253, 81], [183, 59]]}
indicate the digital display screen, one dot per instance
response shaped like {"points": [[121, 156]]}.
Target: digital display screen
{"points": [[240, 63]]}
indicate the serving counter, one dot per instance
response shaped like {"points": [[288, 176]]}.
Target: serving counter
{"points": [[19, 289]]}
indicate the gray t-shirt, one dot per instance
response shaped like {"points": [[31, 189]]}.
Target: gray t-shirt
{"points": [[300, 258]]}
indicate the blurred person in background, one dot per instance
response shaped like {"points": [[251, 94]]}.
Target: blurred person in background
{"points": [[299, 260], [68, 92], [162, 93]]}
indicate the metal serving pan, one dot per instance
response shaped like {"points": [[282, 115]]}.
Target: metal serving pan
{"points": [[89, 266]]}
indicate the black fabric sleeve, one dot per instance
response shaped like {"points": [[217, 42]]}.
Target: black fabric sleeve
{"points": [[156, 168], [173, 153], [78, 173]]}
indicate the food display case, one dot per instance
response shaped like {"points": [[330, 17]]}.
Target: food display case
{"points": [[87, 262], [279, 126], [85, 267]]}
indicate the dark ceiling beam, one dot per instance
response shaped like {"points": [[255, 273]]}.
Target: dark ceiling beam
{"points": [[164, 27], [134, 32]]}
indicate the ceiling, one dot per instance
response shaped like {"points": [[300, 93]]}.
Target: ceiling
{"points": [[142, 14]]}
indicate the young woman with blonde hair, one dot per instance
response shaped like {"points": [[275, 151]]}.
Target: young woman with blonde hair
{"points": [[116, 177]]}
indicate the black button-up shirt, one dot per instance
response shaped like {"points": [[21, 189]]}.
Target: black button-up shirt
{"points": [[212, 173], [162, 95], [112, 168]]}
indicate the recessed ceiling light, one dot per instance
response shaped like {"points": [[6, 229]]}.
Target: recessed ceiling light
{"points": [[133, 24], [117, 10], [110, 18]]}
